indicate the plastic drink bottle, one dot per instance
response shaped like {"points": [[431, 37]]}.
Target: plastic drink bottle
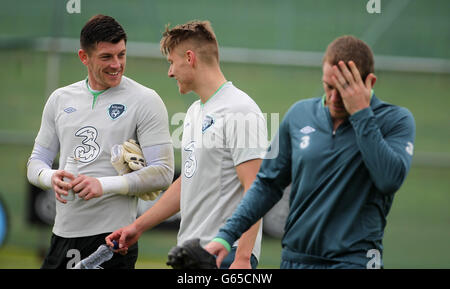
{"points": [[100, 256], [71, 167]]}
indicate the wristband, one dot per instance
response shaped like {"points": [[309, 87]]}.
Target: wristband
{"points": [[223, 242], [45, 178], [114, 185]]}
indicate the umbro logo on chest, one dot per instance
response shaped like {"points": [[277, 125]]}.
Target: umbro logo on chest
{"points": [[69, 110], [305, 140], [307, 130]]}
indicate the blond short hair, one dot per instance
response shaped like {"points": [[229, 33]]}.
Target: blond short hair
{"points": [[197, 35]]}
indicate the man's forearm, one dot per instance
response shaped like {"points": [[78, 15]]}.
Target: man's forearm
{"points": [[258, 200], [247, 242], [156, 176], [167, 206], [39, 172]]}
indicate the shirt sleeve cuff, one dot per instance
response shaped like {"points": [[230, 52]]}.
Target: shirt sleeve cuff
{"points": [[114, 185], [45, 178]]}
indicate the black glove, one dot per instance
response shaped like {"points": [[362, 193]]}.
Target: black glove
{"points": [[191, 256]]}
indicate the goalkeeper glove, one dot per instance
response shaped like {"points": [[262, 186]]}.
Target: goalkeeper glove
{"points": [[127, 157]]}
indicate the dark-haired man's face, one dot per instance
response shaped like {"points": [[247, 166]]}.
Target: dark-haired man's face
{"points": [[105, 63]]}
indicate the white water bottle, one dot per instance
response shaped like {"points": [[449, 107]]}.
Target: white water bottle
{"points": [[71, 167]]}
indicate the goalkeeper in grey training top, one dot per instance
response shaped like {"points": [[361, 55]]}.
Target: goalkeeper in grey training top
{"points": [[96, 121]]}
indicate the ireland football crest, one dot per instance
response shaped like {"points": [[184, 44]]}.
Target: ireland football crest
{"points": [[207, 122], [116, 110]]}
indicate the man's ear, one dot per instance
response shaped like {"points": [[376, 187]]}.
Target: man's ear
{"points": [[82, 54], [191, 58], [370, 80]]}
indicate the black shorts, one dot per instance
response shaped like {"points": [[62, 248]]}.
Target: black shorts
{"points": [[64, 253]]}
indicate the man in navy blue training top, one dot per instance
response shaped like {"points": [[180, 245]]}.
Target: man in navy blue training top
{"points": [[346, 154]]}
